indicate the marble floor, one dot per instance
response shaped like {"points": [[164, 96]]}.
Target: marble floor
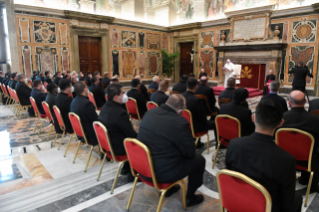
{"points": [[35, 176]]}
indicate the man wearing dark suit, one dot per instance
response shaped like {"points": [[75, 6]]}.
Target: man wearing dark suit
{"points": [[88, 78], [81, 76], [1, 78], [299, 118], [274, 89], [112, 81], [34, 76], [258, 157], [159, 97], [207, 91], [57, 79], [228, 93], [300, 73], [181, 85], [24, 93], [202, 73], [106, 80], [143, 89], [47, 78], [63, 102], [172, 147], [138, 96], [118, 124], [313, 105], [52, 88], [40, 77], [85, 109], [97, 92], [270, 77], [14, 81], [154, 84], [4, 100], [39, 95], [237, 110]]}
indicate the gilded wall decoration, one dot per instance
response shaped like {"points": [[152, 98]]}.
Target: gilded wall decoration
{"points": [[141, 36], [115, 63], [227, 34], [207, 39], [153, 41], [64, 35], [206, 61], [65, 59], [303, 54], [141, 63], [24, 28], [164, 42], [153, 63], [46, 59], [26, 52], [44, 32], [304, 31], [129, 63], [115, 38], [246, 73], [273, 28], [128, 39]]}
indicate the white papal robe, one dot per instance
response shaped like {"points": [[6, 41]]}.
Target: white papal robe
{"points": [[228, 74]]}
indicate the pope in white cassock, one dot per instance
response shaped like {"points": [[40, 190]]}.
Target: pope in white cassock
{"points": [[229, 69]]}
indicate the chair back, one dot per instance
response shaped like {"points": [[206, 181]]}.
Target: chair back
{"points": [[297, 143], [31, 83], [70, 95], [238, 192], [77, 125], [174, 92], [151, 90], [140, 159], [58, 116], [91, 98], [188, 115], [315, 112], [104, 139], [4, 89], [224, 101], [106, 98], [132, 108], [204, 99], [9, 90], [34, 105], [47, 110], [16, 96], [227, 128], [151, 105], [45, 85]]}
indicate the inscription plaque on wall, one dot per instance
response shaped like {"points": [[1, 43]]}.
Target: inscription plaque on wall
{"points": [[253, 27]]}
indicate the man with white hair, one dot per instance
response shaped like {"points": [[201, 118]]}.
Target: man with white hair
{"points": [[154, 84], [143, 88], [229, 69], [202, 73]]}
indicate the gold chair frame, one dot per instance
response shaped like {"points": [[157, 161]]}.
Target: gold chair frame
{"points": [[151, 102], [1, 92], [90, 93], [37, 115], [20, 107], [294, 130], [138, 113], [52, 124], [248, 180], [136, 175], [112, 153], [86, 142], [151, 90], [205, 98], [217, 134]]}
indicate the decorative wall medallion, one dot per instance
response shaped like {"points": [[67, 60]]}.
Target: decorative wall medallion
{"points": [[207, 39], [128, 39], [65, 59], [44, 32], [206, 61], [164, 42], [153, 41], [129, 63], [24, 28], [26, 53], [46, 59], [115, 62], [115, 38], [64, 35], [246, 73], [141, 63], [141, 36], [304, 31], [153, 63]]}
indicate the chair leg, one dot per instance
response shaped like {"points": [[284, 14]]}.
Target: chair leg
{"points": [[184, 194], [61, 140], [159, 206], [56, 136], [41, 127], [308, 189], [216, 155], [117, 175], [76, 153], [103, 161], [207, 143], [67, 147], [87, 163], [21, 111], [196, 142], [131, 195], [50, 132], [36, 123]]}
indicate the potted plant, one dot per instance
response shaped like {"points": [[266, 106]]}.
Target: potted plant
{"points": [[168, 62]]}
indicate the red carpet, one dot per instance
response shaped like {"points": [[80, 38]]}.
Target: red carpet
{"points": [[252, 91]]}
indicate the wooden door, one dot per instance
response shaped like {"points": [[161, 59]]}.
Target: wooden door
{"points": [[90, 54], [186, 65], [252, 76]]}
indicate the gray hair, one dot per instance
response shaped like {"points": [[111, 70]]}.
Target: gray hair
{"points": [[176, 101], [20, 76], [274, 86]]}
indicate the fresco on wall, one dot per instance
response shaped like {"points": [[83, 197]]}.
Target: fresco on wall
{"points": [[44, 32]]}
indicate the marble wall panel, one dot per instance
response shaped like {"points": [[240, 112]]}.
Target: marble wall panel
{"points": [[46, 59], [207, 39], [164, 42], [115, 38], [64, 38], [153, 63], [273, 28], [44, 32], [24, 30], [115, 63], [206, 61], [65, 59], [129, 63], [128, 39], [141, 38], [26, 52], [153, 41], [141, 63], [304, 31]]}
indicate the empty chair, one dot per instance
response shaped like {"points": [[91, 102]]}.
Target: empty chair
{"points": [[151, 105], [132, 109], [48, 113], [315, 112], [37, 114]]}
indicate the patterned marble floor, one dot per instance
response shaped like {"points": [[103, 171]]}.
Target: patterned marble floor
{"points": [[35, 176]]}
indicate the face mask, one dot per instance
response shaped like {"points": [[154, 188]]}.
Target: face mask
{"points": [[72, 89], [43, 87], [125, 98], [25, 80], [88, 93], [77, 79], [59, 90], [61, 76], [76, 75]]}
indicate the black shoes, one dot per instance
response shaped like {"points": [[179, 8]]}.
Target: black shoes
{"points": [[199, 145], [195, 200], [172, 190], [303, 181], [125, 171]]}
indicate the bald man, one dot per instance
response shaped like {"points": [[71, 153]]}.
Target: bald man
{"points": [[154, 84], [207, 91], [142, 88], [299, 118]]}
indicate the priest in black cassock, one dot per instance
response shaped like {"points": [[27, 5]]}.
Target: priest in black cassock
{"points": [[270, 77]]}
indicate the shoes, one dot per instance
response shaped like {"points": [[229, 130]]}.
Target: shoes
{"points": [[125, 172], [32, 115], [199, 145], [197, 199], [172, 190], [303, 181], [314, 189]]}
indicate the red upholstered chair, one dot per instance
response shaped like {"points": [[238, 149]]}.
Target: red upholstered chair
{"points": [[151, 105], [70, 95], [106, 98], [299, 144], [188, 115], [37, 114], [60, 120], [106, 148], [48, 113], [152, 90], [141, 163], [227, 128], [132, 109], [6, 94], [78, 130], [91, 98], [31, 83], [45, 85], [21, 107], [238, 193]]}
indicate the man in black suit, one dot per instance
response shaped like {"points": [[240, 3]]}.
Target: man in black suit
{"points": [[116, 120], [63, 102], [143, 89], [1, 78], [228, 93], [270, 77], [274, 89], [138, 96], [39, 95], [181, 85], [313, 105], [300, 73], [24, 93], [14, 81], [97, 92], [34, 76], [47, 77], [40, 77], [106, 80], [112, 81], [57, 79], [159, 97], [85, 109], [52, 88], [154, 84], [81, 76], [237, 110], [257, 156], [202, 73], [172, 147], [207, 91], [299, 118], [88, 78]]}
